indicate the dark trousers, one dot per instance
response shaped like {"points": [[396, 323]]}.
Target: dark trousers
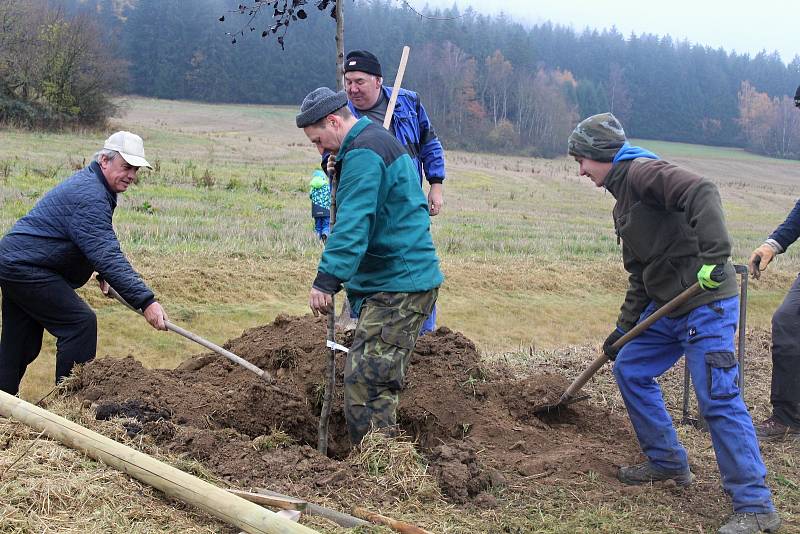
{"points": [[30, 308], [785, 394]]}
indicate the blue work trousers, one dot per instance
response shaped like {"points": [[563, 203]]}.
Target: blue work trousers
{"points": [[430, 322], [322, 225], [705, 335]]}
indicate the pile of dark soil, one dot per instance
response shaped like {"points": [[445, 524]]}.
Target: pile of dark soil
{"points": [[475, 425]]}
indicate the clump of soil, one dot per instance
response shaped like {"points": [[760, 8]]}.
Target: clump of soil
{"points": [[476, 426]]}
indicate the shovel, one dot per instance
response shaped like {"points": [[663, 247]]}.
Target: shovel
{"points": [[571, 396], [264, 375]]}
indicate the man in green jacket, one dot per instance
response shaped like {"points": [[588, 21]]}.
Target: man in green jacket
{"points": [[381, 248], [672, 229]]}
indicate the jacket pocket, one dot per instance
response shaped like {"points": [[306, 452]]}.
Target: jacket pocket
{"points": [[722, 375], [650, 232], [371, 263], [663, 281]]}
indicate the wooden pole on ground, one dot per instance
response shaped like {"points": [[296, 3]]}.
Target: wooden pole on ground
{"points": [[394, 524], [231, 509]]}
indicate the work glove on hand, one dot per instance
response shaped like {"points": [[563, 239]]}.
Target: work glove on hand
{"points": [[711, 276], [760, 258], [612, 338]]}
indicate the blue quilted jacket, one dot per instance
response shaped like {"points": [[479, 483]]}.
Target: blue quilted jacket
{"points": [[414, 130], [788, 232], [68, 234]]}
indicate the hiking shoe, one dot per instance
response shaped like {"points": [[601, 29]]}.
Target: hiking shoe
{"points": [[747, 523], [773, 430], [646, 472]]}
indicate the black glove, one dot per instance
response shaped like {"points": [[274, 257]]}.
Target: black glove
{"points": [[612, 338]]}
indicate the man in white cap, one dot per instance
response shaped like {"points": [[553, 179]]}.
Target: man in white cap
{"points": [[53, 250]]}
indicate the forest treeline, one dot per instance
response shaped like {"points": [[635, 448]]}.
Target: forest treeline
{"points": [[488, 82]]}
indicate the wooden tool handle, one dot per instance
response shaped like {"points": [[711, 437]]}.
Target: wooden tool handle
{"points": [[667, 308], [387, 120], [397, 526], [200, 341]]}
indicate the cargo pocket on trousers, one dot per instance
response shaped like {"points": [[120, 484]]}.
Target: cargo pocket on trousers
{"points": [[723, 375], [400, 344]]}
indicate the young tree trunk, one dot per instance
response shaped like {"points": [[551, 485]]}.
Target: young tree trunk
{"points": [[339, 45]]}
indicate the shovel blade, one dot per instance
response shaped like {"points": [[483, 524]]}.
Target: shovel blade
{"points": [[562, 403]]}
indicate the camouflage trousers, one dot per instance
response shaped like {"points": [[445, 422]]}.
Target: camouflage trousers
{"points": [[376, 366]]}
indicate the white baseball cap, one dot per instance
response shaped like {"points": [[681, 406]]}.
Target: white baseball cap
{"points": [[129, 146]]}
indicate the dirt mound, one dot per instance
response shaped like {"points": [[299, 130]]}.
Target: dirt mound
{"points": [[474, 424]]}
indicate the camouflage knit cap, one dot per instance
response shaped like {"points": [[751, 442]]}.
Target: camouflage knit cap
{"points": [[598, 138]]}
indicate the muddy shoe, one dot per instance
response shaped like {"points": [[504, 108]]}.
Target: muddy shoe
{"points": [[773, 430], [645, 472], [751, 523]]}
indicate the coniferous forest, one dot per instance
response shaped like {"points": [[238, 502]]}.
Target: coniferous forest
{"points": [[488, 82]]}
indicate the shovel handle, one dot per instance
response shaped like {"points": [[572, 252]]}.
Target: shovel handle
{"points": [[387, 120], [667, 308], [200, 341]]}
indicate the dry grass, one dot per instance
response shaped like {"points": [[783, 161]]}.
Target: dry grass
{"points": [[531, 263], [47, 487], [518, 237], [394, 463], [274, 440]]}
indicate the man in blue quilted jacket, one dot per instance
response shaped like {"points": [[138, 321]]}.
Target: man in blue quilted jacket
{"points": [[53, 250], [784, 423]]}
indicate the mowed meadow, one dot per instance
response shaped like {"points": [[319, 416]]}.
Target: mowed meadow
{"points": [[221, 229]]}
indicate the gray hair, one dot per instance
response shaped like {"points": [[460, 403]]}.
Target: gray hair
{"points": [[109, 154]]}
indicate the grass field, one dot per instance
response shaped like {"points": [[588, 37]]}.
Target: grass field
{"points": [[221, 230]]}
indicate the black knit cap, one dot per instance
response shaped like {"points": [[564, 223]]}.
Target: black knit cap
{"points": [[363, 61]]}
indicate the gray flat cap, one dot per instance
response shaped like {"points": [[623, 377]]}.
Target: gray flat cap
{"points": [[318, 104]]}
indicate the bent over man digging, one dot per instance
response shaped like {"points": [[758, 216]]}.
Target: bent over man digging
{"points": [[672, 228], [53, 250], [381, 248]]}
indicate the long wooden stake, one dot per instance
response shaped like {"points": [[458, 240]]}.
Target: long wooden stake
{"points": [[226, 507], [330, 370]]}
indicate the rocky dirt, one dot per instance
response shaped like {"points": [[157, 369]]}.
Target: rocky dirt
{"points": [[474, 424]]}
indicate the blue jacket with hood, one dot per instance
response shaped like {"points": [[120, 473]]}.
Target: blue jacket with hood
{"points": [[413, 129]]}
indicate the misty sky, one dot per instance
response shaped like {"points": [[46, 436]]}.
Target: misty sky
{"points": [[741, 26]]}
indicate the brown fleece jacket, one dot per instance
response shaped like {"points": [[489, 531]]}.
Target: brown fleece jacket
{"points": [[671, 223]]}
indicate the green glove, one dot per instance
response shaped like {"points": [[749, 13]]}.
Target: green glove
{"points": [[711, 276]]}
